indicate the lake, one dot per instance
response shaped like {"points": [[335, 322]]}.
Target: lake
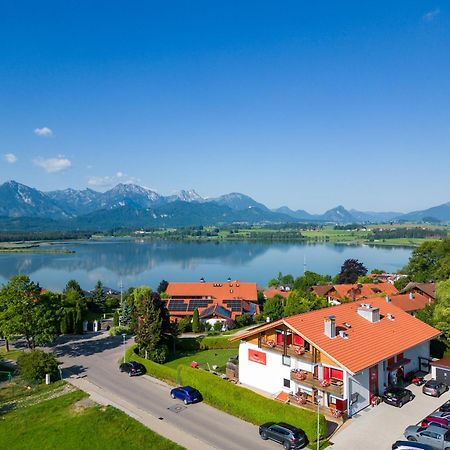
{"points": [[140, 262]]}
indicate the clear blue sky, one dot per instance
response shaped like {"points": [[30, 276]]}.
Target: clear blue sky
{"points": [[307, 104]]}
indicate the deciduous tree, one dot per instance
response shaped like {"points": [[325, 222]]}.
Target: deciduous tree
{"points": [[350, 271]]}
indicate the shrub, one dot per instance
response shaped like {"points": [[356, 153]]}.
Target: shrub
{"points": [[34, 365], [218, 326], [120, 329]]}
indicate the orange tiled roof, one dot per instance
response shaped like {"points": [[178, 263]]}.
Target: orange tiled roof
{"points": [[271, 292], [356, 291], [226, 290], [404, 302], [367, 343]]}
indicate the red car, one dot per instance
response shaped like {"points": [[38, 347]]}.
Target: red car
{"points": [[440, 418]]}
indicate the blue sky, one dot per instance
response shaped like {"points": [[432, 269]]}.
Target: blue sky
{"points": [[306, 104]]}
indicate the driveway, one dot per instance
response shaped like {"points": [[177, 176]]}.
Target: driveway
{"points": [[196, 427], [379, 427]]}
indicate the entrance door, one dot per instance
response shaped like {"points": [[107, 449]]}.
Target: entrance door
{"points": [[373, 381]]}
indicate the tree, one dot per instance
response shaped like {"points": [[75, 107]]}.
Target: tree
{"points": [[154, 330], [350, 271], [423, 262], [362, 279], [309, 279], [24, 311], [78, 320], [184, 324], [195, 321], [162, 286], [64, 327], [401, 283], [116, 319], [273, 283], [299, 302], [99, 296], [273, 308], [377, 271], [73, 284], [441, 313], [218, 325]]}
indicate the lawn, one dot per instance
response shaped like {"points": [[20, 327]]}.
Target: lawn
{"points": [[12, 354], [215, 357], [61, 423]]}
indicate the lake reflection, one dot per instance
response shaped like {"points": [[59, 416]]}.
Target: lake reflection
{"points": [[148, 262]]}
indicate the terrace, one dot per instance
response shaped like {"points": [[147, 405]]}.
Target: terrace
{"points": [[332, 386], [294, 351]]}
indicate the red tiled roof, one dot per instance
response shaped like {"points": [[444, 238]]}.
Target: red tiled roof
{"points": [[226, 290], [366, 343], [356, 291], [271, 292], [404, 301], [444, 362]]}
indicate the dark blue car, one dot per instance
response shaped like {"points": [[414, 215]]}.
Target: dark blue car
{"points": [[186, 393]]}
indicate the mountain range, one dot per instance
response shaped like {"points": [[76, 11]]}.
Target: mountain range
{"points": [[133, 206]]}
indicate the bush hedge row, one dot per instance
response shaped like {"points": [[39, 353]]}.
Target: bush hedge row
{"points": [[233, 399], [205, 343]]}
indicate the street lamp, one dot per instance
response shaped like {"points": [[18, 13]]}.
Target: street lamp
{"points": [[124, 348]]}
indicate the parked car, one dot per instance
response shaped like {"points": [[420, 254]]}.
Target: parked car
{"points": [[132, 368], [408, 445], [289, 436], [186, 393], [445, 407], [397, 396], [436, 437], [441, 418], [434, 388]]}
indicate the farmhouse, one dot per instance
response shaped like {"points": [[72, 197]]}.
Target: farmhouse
{"points": [[342, 357], [354, 292]]}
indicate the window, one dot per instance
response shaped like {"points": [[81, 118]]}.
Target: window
{"points": [[298, 340], [279, 335], [286, 360], [286, 383], [337, 374]]}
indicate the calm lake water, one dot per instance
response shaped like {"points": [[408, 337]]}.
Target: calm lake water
{"points": [[148, 262]]}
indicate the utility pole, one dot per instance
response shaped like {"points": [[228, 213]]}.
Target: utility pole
{"points": [[304, 264]]}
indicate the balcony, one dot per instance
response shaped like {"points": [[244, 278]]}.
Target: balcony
{"points": [[294, 351], [335, 387], [330, 412]]}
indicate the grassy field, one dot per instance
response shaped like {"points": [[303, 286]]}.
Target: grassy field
{"points": [[12, 354], [70, 422], [216, 357]]}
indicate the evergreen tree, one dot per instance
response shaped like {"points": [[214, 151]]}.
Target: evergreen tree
{"points": [[195, 321], [162, 286], [99, 296], [154, 330], [78, 322], [274, 308], [116, 319], [64, 325]]}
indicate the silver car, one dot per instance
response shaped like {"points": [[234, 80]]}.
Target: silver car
{"points": [[436, 437], [434, 388]]}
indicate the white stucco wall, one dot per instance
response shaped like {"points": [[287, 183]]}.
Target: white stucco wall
{"points": [[359, 383], [269, 377]]}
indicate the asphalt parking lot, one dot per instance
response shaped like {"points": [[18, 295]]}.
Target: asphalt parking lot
{"points": [[379, 427]]}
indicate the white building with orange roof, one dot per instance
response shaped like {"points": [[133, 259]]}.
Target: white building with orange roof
{"points": [[342, 357]]}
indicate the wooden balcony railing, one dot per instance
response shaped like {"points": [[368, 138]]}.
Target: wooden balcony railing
{"points": [[330, 412], [333, 387], [294, 351]]}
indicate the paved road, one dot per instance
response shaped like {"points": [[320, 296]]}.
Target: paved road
{"points": [[96, 358]]}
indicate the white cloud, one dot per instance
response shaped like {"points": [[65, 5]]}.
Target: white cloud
{"points": [[43, 132], [431, 15], [10, 158], [110, 181], [53, 165]]}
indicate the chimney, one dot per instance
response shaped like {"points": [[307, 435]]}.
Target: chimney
{"points": [[388, 299], [411, 295], [343, 334], [368, 312], [330, 326]]}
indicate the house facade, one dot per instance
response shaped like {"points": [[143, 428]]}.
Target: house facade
{"points": [[342, 357]]}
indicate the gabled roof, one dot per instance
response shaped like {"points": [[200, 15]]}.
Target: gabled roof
{"points": [[404, 301], [366, 343], [356, 291], [220, 290], [427, 288], [271, 292], [216, 310]]}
